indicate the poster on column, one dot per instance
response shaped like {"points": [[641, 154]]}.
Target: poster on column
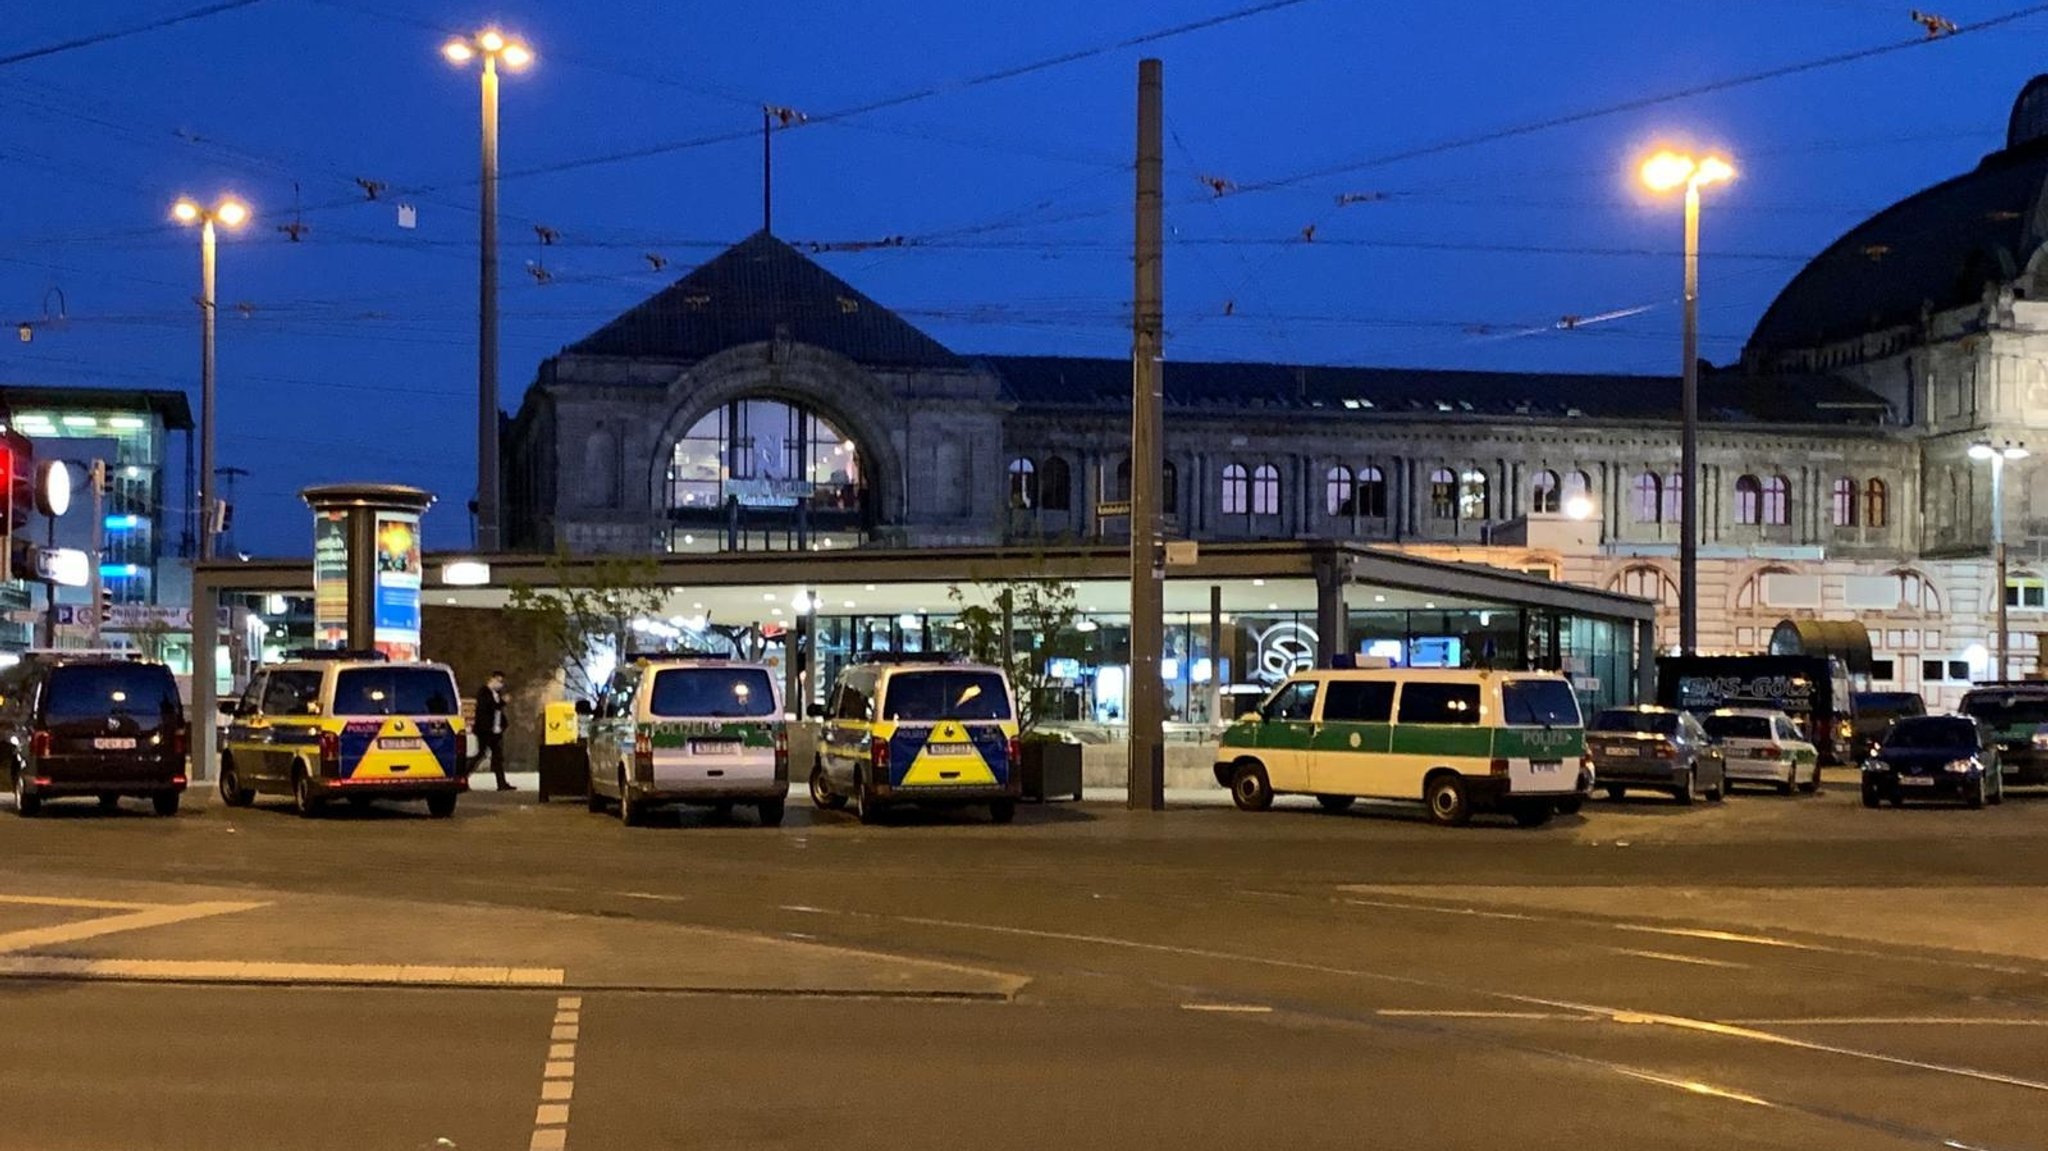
{"points": [[399, 575], [330, 580]]}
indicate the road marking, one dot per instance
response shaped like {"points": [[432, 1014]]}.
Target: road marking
{"points": [[85, 904], [1229, 1008], [1674, 957], [154, 916], [238, 971], [1545, 1016], [798, 907], [1694, 1086], [654, 895], [1889, 1021], [557, 1078]]}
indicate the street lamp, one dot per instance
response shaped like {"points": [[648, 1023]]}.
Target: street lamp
{"points": [[1998, 455], [228, 212], [1662, 173], [493, 48]]}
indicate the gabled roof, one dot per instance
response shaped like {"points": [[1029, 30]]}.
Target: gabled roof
{"points": [[1725, 397], [758, 290]]}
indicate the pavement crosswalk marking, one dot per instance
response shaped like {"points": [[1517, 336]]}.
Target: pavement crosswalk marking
{"points": [[558, 1078]]}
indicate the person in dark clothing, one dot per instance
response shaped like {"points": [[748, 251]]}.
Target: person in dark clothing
{"points": [[490, 728]]}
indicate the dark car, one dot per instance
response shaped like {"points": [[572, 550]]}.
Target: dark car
{"points": [[2015, 717], [99, 726], [1654, 747], [1876, 711], [1944, 756]]}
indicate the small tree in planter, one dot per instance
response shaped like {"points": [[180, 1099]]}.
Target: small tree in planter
{"points": [[588, 610], [1036, 629]]}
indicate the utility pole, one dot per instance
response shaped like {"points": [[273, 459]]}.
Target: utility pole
{"points": [[1147, 766], [96, 476], [767, 169], [487, 323], [228, 476], [206, 389], [1689, 435]]}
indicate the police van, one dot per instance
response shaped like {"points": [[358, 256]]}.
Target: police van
{"points": [[923, 729], [346, 725], [1461, 741], [695, 730]]}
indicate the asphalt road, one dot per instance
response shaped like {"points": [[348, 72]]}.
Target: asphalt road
{"points": [[1770, 972]]}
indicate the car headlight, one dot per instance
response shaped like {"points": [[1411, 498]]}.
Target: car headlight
{"points": [[1875, 765], [1962, 765], [2041, 741]]}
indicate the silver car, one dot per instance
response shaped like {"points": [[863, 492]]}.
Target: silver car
{"points": [[1657, 748]]}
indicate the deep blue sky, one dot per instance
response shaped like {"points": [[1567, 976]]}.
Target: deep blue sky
{"points": [[357, 357]]}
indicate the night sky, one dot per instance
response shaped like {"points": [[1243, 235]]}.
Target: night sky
{"points": [[351, 354]]}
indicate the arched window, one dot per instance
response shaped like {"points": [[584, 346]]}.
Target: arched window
{"points": [[1472, 501], [1236, 492], [1674, 498], [1340, 492], [1543, 497], [1169, 489], [1023, 483], [1265, 490], [1916, 592], [1777, 501], [1372, 492], [1443, 494], [1055, 485], [765, 453], [1648, 500], [1749, 500], [1844, 503], [1645, 581], [1876, 503]]}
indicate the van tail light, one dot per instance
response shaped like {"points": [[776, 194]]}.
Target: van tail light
{"points": [[180, 742], [781, 752], [643, 755], [878, 755], [1498, 767], [330, 753], [39, 743], [1769, 753], [1016, 752]]}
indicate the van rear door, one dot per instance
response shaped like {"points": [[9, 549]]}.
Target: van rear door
{"points": [[117, 722]]}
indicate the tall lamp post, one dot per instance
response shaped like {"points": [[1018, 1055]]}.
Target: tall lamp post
{"points": [[1662, 173], [493, 48], [228, 212], [1998, 454]]}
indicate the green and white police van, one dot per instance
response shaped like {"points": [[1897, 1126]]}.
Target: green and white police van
{"points": [[1459, 740], [690, 730]]}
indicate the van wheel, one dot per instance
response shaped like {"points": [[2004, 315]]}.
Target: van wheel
{"points": [[822, 796], [305, 801], [1871, 796], [441, 806], [1614, 794], [591, 798], [1812, 786], [1336, 804], [865, 808], [1571, 805], [110, 803], [1975, 799], [771, 811], [1683, 792], [1002, 810], [1444, 792], [26, 802], [164, 803], [1250, 790], [232, 792], [632, 812], [1534, 814]]}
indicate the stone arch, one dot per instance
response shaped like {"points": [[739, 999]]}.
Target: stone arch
{"points": [[831, 385]]}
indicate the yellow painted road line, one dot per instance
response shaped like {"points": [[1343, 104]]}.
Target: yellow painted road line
{"points": [[86, 904], [158, 916], [1695, 1087], [1889, 1021], [1674, 957], [1541, 1016], [1229, 1008], [557, 1078], [239, 971]]}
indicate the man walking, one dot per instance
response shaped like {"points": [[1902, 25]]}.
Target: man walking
{"points": [[490, 728]]}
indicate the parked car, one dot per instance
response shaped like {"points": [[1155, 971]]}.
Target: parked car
{"points": [[690, 730], [1946, 756], [1655, 747], [97, 726], [1759, 745], [1876, 711], [2015, 715]]}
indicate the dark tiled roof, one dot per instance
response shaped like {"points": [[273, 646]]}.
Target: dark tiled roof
{"points": [[1725, 397], [1934, 250], [752, 292]]}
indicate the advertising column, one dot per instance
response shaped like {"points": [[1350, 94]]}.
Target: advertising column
{"points": [[330, 579], [399, 574], [366, 567]]}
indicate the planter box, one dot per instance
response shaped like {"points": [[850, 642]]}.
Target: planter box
{"points": [[564, 770], [1051, 770]]}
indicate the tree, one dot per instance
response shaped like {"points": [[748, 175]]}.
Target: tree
{"points": [[590, 607], [1041, 618]]}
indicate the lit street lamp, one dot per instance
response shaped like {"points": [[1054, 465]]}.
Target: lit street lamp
{"points": [[493, 48], [1662, 173], [1998, 456], [228, 213]]}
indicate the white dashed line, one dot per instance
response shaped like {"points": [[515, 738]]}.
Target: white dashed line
{"points": [[1674, 957], [558, 1078], [1229, 1008]]}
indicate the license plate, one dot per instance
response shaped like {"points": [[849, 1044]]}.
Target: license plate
{"points": [[114, 744], [401, 744], [1624, 752], [1916, 780], [1542, 766], [949, 749], [713, 747]]}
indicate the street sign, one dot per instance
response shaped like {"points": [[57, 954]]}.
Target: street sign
{"points": [[1109, 508], [141, 616], [25, 615], [1182, 553]]}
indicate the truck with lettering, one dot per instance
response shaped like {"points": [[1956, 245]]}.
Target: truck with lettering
{"points": [[1814, 690]]}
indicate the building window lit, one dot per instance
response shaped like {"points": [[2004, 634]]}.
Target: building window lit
{"points": [[1023, 484], [1777, 502], [1749, 500], [1266, 490], [1372, 493], [1674, 498], [1876, 503], [1843, 504], [1473, 504], [1340, 492], [1649, 498], [1443, 494], [1236, 491]]}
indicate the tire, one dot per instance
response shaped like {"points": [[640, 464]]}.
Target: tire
{"points": [[865, 808], [1250, 790], [164, 803], [1975, 800], [1532, 814], [771, 811], [822, 796], [304, 801], [26, 802], [1336, 804], [1998, 792], [632, 812], [1785, 788], [1571, 806], [1614, 794], [232, 793], [1683, 793], [110, 802], [1002, 810], [441, 806], [1871, 798], [1812, 786], [1717, 792], [1444, 793], [591, 798]]}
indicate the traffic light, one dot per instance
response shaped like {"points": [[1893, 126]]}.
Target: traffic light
{"points": [[17, 479], [106, 606]]}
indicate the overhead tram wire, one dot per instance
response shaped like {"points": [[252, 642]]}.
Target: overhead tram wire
{"points": [[88, 41]]}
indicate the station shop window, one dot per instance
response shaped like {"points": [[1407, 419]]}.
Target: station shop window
{"points": [[1945, 671]]}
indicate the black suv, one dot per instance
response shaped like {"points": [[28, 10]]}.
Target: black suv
{"points": [[92, 725]]}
